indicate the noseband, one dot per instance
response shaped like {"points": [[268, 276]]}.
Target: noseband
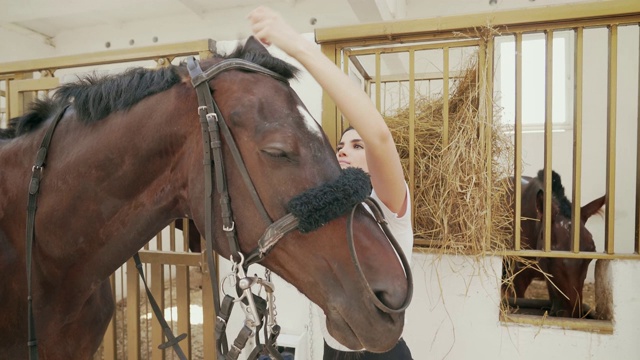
{"points": [[300, 217]]}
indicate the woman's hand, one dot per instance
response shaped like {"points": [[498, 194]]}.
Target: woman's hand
{"points": [[382, 157], [269, 27]]}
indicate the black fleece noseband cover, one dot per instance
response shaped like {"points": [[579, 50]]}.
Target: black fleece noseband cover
{"points": [[317, 206]]}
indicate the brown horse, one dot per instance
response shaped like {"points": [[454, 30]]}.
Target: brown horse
{"points": [[566, 276], [127, 158]]}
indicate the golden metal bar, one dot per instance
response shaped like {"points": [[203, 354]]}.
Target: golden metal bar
{"points": [[445, 97], [453, 34], [544, 16], [207, 54], [488, 99], [548, 138], [172, 236], [518, 146], [110, 57], [185, 234], [377, 77], [358, 65], [109, 343], [415, 47], [412, 131], [164, 257], [183, 299], [419, 76], [208, 315], [637, 225], [17, 88], [329, 110], [567, 254], [399, 83], [588, 325], [157, 290], [577, 139], [159, 241], [484, 63], [344, 123], [612, 98], [133, 312], [383, 99]]}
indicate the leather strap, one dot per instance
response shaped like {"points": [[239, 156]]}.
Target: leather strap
{"points": [[374, 207], [239, 343], [32, 206], [172, 341], [223, 316]]}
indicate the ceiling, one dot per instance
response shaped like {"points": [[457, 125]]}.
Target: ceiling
{"points": [[48, 19]]}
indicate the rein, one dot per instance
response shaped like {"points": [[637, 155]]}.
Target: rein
{"points": [[32, 205]]}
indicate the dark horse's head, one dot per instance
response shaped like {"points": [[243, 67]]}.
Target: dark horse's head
{"points": [[567, 275], [286, 153], [127, 158]]}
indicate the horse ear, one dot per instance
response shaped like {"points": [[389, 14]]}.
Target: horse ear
{"points": [[592, 208], [254, 45]]}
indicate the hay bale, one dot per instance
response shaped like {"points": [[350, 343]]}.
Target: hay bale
{"points": [[452, 189]]}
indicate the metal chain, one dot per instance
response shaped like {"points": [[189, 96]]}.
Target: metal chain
{"points": [[310, 330]]}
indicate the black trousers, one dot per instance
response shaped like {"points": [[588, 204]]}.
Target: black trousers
{"points": [[399, 352]]}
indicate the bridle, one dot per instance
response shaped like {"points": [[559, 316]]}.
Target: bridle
{"points": [[255, 307], [213, 123]]}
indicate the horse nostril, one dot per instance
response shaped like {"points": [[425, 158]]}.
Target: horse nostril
{"points": [[393, 300]]}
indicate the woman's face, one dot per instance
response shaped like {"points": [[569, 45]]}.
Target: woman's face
{"points": [[351, 151]]}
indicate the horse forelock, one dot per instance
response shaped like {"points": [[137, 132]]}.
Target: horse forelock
{"points": [[557, 189]]}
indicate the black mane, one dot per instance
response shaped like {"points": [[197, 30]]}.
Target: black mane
{"points": [[557, 189], [95, 97]]}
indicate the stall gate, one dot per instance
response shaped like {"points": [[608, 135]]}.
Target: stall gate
{"points": [[562, 81], [397, 63]]}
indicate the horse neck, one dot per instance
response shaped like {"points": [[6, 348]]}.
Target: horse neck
{"points": [[111, 186]]}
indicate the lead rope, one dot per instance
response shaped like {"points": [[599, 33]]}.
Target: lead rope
{"points": [[171, 339], [310, 330], [32, 206]]}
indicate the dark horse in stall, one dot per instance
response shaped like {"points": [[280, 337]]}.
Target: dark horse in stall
{"points": [[566, 276], [127, 158]]}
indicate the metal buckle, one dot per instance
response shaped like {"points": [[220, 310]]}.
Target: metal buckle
{"points": [[233, 226], [212, 116]]}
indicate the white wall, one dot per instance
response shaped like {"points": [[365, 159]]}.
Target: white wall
{"points": [[455, 315], [21, 46]]}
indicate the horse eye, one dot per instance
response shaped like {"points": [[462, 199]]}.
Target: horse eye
{"points": [[275, 153]]}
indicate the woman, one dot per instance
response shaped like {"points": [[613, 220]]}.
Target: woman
{"points": [[367, 145]]}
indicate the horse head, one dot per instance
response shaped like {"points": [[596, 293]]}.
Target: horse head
{"points": [[567, 275], [286, 154]]}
